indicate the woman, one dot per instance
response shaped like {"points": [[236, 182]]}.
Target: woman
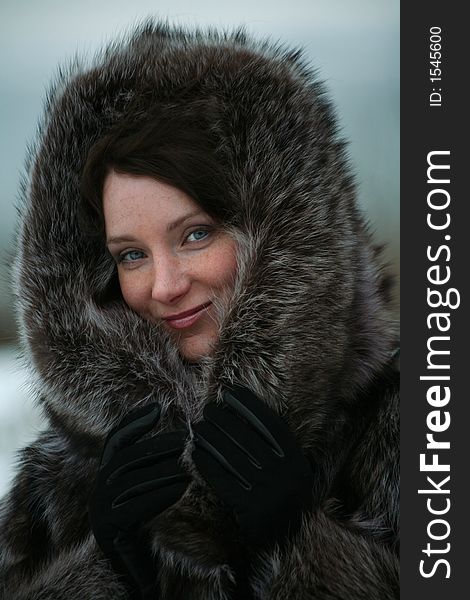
{"points": [[201, 173]]}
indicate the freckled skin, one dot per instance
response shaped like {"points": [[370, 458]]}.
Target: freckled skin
{"points": [[165, 271]]}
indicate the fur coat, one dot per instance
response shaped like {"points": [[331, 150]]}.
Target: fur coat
{"points": [[308, 329]]}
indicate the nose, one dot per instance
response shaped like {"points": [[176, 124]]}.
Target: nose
{"points": [[170, 281]]}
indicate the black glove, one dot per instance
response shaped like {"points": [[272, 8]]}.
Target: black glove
{"points": [[136, 482], [256, 467]]}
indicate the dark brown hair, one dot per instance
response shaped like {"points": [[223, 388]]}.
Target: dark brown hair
{"points": [[175, 146]]}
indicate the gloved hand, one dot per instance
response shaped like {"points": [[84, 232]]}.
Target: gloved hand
{"points": [[137, 480], [256, 467]]}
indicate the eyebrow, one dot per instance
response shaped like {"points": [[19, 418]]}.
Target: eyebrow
{"points": [[175, 224], [170, 227]]}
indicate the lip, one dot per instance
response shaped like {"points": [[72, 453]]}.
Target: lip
{"points": [[186, 318]]}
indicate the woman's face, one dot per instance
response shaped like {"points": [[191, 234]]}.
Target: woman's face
{"points": [[172, 259]]}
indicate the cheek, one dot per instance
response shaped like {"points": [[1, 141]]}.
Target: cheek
{"points": [[133, 292], [222, 267]]}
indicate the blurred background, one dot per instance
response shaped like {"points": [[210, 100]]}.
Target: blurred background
{"points": [[354, 44]]}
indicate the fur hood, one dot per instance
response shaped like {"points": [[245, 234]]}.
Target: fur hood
{"points": [[308, 328]]}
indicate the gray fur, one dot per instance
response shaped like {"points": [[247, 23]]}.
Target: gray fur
{"points": [[308, 329]]}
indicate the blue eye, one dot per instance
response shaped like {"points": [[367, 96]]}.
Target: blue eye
{"points": [[197, 235], [130, 256]]}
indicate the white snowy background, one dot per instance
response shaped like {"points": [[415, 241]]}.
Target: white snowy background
{"points": [[353, 43], [20, 420]]}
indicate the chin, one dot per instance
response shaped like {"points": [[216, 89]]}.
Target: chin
{"points": [[197, 347]]}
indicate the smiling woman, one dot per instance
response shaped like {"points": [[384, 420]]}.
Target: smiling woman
{"points": [[172, 258], [155, 189], [211, 330]]}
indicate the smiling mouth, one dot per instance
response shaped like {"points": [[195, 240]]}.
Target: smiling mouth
{"points": [[187, 318]]}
